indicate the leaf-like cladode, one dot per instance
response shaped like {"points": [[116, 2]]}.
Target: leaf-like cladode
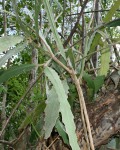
{"points": [[8, 41], [65, 110]]}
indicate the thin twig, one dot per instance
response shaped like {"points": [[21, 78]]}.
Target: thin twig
{"points": [[81, 99], [6, 142], [76, 24], [53, 142], [92, 11], [89, 33], [60, 63], [83, 106], [96, 52]]}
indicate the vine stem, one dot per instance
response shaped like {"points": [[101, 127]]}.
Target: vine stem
{"points": [[83, 107], [84, 113]]}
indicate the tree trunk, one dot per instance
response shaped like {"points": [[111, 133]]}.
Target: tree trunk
{"points": [[104, 117]]}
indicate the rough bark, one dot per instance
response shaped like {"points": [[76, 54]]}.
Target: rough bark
{"points": [[104, 117]]}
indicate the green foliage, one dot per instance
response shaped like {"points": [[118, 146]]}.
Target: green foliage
{"points": [[97, 39], [72, 95], [112, 11], [93, 85], [105, 60], [61, 130], [33, 116], [53, 28], [8, 41], [15, 89], [51, 112], [67, 116], [12, 52], [105, 56], [15, 71], [52, 109], [71, 58], [36, 130], [114, 23], [46, 25], [36, 17], [2, 89]]}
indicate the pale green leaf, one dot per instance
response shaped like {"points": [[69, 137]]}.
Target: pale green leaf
{"points": [[52, 109], [105, 60], [8, 41], [53, 27], [12, 52], [98, 82], [36, 16], [15, 71], [113, 143], [51, 112], [66, 87], [112, 11], [67, 116], [105, 56]]}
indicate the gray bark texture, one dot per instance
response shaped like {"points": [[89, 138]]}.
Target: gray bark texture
{"points": [[104, 117]]}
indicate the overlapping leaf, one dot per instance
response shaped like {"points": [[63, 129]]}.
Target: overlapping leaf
{"points": [[106, 19], [53, 28], [61, 130], [52, 109], [51, 112], [8, 41], [65, 110], [15, 71], [12, 52]]}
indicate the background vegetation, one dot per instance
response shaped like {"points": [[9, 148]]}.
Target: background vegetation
{"points": [[55, 56]]}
